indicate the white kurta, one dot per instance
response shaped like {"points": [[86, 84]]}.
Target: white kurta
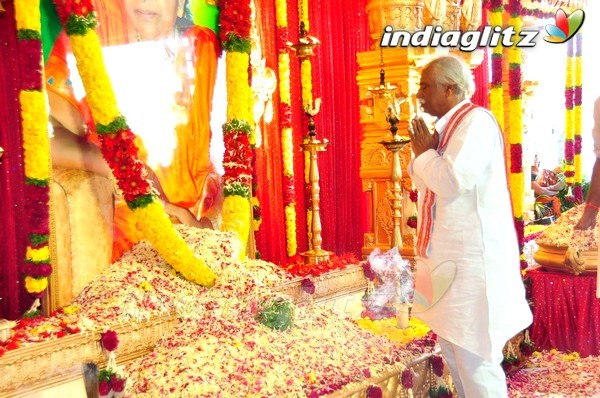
{"points": [[473, 227]]}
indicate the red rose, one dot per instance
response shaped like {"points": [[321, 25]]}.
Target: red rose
{"points": [[117, 383], [308, 286], [103, 387], [109, 340]]}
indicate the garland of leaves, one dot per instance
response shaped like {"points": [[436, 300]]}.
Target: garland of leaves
{"points": [[516, 178], [118, 147], [285, 117], [36, 146], [577, 99], [235, 21]]}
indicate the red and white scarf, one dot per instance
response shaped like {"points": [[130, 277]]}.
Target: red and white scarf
{"points": [[426, 224]]}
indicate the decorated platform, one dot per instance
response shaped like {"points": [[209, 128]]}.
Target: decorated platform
{"points": [[201, 339]]}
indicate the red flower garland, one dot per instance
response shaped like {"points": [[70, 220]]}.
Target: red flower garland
{"points": [[234, 19]]}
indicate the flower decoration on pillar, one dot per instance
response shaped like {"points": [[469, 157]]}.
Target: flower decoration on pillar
{"points": [[515, 110], [577, 96], [235, 24], [118, 146], [36, 146], [569, 121], [496, 90], [285, 124]]}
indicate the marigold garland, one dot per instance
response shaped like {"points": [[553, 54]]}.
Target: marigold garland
{"points": [[307, 100], [235, 24], [287, 144], [516, 177], [577, 123], [496, 90], [118, 147], [36, 146], [569, 119]]}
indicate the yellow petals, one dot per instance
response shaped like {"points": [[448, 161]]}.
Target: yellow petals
{"points": [[38, 255], [35, 285], [497, 105], [145, 286], [281, 13], [284, 78], [27, 15], [36, 143], [239, 99], [388, 328], [306, 81], [290, 230], [71, 309], [236, 218]]}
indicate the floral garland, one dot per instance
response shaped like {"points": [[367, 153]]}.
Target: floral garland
{"points": [[118, 147], [496, 90], [285, 115], [577, 96], [36, 146], [413, 195], [307, 100], [569, 121], [516, 178], [235, 24]]}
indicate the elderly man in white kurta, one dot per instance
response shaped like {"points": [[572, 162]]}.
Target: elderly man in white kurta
{"points": [[592, 204], [465, 220]]}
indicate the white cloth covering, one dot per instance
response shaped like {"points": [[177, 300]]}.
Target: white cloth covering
{"points": [[473, 227]]}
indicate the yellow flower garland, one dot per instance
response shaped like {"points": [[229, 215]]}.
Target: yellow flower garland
{"points": [[303, 8], [287, 143], [497, 93], [36, 142], [236, 209], [238, 90], [284, 78], [577, 165], [236, 218], [35, 285], [156, 226], [38, 255]]}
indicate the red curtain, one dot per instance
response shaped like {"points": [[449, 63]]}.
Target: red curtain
{"points": [[342, 29], [14, 300], [481, 73]]}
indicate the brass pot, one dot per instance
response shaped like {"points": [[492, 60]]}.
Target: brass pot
{"points": [[566, 259]]}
